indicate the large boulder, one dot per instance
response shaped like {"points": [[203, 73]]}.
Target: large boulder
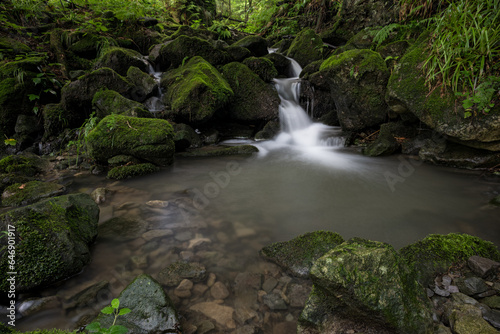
{"points": [[436, 253], [173, 54], [263, 67], [145, 86], [76, 97], [298, 255], [256, 44], [357, 80], [143, 138], [408, 92], [51, 238], [120, 60], [195, 91], [151, 310], [367, 281], [253, 101], [107, 102], [30, 192], [306, 47]]}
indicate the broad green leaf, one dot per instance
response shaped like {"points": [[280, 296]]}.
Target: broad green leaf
{"points": [[115, 303], [124, 311], [118, 329], [107, 310], [93, 327]]}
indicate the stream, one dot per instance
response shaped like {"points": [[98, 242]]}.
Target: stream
{"points": [[221, 211]]}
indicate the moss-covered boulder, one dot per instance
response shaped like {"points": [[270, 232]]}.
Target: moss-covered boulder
{"points": [[145, 86], [25, 165], [107, 102], [133, 170], [76, 97], [12, 47], [306, 47], [256, 44], [30, 192], [297, 256], [120, 60], [369, 282], [183, 47], [386, 142], [263, 67], [408, 92], [147, 139], [56, 119], [269, 131], [52, 240], [254, 100], [14, 101], [195, 91], [436, 253], [238, 53], [87, 46], [357, 80], [151, 310]]}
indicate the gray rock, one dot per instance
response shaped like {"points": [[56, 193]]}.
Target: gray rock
{"points": [[274, 301], [219, 291], [221, 314], [482, 266], [298, 294], [152, 311], [32, 306], [123, 229], [89, 296], [471, 286], [468, 319], [173, 274]]}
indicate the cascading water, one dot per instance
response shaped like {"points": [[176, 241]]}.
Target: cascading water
{"points": [[297, 127], [154, 103]]}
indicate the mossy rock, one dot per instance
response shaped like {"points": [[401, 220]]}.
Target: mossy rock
{"points": [[130, 171], [436, 253], [280, 62], [238, 53], [263, 67], [25, 65], [253, 101], [122, 160], [185, 137], [54, 120], [107, 102], [19, 194], [297, 256], [269, 131], [195, 91], [368, 280], [53, 238], [256, 44], [174, 273], [183, 47], [447, 153], [120, 60], [443, 112], [87, 46], [152, 311], [357, 80], [76, 97], [145, 86], [147, 139], [25, 165], [306, 47], [4, 329], [12, 47], [217, 151], [14, 101]]}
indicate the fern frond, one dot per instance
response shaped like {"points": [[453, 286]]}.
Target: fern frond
{"points": [[384, 33]]}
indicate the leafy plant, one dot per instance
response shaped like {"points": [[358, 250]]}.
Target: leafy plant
{"points": [[482, 98], [114, 309], [220, 29], [82, 133], [48, 83]]}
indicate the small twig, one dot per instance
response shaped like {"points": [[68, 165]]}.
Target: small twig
{"points": [[131, 126], [372, 134]]}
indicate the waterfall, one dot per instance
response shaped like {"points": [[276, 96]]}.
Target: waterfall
{"points": [[296, 125], [154, 103]]}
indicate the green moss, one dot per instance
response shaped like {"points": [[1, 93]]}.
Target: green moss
{"points": [[436, 253], [120, 60], [23, 165], [29, 64], [306, 47], [126, 172], [365, 60], [263, 67], [144, 138], [195, 91], [27, 193], [256, 44], [12, 47], [52, 239], [299, 254], [107, 102], [216, 151]]}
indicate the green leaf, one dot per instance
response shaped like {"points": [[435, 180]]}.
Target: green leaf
{"points": [[124, 311], [115, 303], [118, 329], [37, 80], [107, 310], [467, 114], [93, 327], [33, 97]]}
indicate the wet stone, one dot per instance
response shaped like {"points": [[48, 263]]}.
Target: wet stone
{"points": [[183, 290], [153, 234], [157, 204], [482, 266], [298, 294], [205, 327], [199, 289], [493, 301], [32, 306], [471, 285], [176, 272], [90, 295], [139, 261], [211, 279], [219, 291], [183, 236], [274, 301], [269, 284], [222, 315]]}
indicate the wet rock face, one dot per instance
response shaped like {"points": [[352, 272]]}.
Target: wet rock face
{"points": [[256, 44], [70, 224], [306, 47], [370, 281], [357, 81], [120, 60]]}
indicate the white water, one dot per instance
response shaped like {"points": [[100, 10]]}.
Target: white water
{"points": [[154, 103]]}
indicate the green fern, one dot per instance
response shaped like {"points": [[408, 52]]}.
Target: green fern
{"points": [[385, 32]]}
